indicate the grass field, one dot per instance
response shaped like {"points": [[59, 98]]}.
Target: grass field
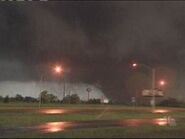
{"points": [[15, 115]]}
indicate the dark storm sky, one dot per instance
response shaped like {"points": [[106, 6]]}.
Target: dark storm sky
{"points": [[95, 40]]}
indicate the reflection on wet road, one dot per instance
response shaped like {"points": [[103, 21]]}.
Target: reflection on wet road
{"points": [[62, 111], [134, 122], [60, 126], [161, 111], [65, 125], [70, 110], [54, 126], [52, 111], [160, 121]]}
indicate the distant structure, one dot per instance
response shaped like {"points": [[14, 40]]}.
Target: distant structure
{"points": [[104, 100]]}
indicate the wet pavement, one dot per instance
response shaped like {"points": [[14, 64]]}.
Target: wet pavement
{"points": [[65, 110], [60, 126]]}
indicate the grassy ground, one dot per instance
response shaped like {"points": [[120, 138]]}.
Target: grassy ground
{"points": [[14, 115]]}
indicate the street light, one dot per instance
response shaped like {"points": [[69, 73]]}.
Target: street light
{"points": [[134, 64], [162, 82], [58, 69], [153, 81]]}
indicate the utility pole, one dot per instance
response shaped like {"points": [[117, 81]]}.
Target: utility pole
{"points": [[40, 95], [64, 91], [153, 88]]}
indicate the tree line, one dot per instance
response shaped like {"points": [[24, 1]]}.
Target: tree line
{"points": [[17, 98], [45, 97]]}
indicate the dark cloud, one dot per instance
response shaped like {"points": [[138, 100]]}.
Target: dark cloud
{"points": [[96, 40]]}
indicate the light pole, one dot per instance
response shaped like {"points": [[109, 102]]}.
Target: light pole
{"points": [[153, 87], [40, 96], [58, 70], [88, 95], [41, 85], [153, 81]]}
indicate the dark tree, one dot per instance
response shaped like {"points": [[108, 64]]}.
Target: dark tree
{"points": [[6, 99], [48, 98], [171, 102], [73, 99], [94, 101], [1, 98], [43, 96], [18, 97], [66, 99], [30, 99]]}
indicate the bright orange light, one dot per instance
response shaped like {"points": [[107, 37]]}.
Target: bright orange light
{"points": [[134, 64], [53, 111], [53, 127], [162, 82], [160, 111], [160, 121], [58, 69]]}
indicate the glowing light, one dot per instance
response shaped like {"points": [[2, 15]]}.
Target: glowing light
{"points": [[58, 69], [162, 82], [134, 64], [53, 111], [160, 111], [53, 127], [160, 121]]}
